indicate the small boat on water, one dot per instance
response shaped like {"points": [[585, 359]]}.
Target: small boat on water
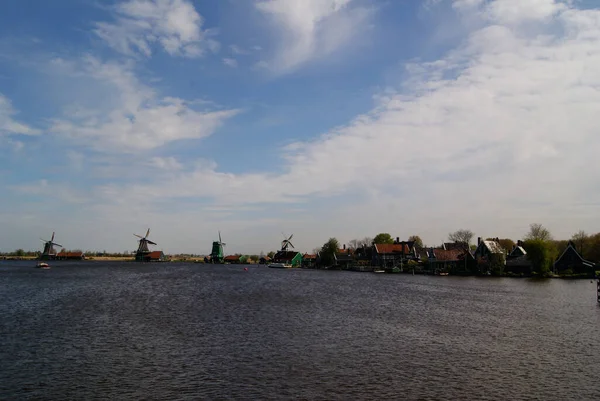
{"points": [[42, 265], [378, 271], [280, 265]]}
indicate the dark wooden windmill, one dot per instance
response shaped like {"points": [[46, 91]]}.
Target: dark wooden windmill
{"points": [[286, 242], [49, 252], [143, 252]]}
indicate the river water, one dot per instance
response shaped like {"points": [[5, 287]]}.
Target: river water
{"points": [[85, 331]]}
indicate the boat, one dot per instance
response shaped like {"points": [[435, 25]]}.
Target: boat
{"points": [[280, 265], [443, 274], [43, 265], [378, 271]]}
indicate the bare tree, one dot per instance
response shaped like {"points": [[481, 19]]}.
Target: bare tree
{"points": [[538, 232], [418, 241], [581, 240], [354, 244], [462, 235]]}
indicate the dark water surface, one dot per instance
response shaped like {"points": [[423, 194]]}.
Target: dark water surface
{"points": [[174, 331]]}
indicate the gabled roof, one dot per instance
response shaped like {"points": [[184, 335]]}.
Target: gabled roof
{"points": [[518, 251], [492, 246], [70, 254], [447, 254], [343, 257], [232, 257], [309, 256], [285, 255], [391, 248], [571, 248]]}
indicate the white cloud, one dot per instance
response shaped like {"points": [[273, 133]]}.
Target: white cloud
{"points": [[174, 24], [8, 125], [137, 118], [505, 122], [230, 62], [312, 28]]}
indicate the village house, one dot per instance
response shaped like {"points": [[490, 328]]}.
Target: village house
{"points": [[67, 255], [517, 261], [309, 261], [292, 258], [571, 261], [391, 255], [154, 256], [233, 259], [490, 256]]}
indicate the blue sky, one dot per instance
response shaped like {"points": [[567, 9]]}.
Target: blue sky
{"points": [[323, 118]]}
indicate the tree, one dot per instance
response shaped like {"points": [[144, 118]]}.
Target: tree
{"points": [[383, 238], [367, 241], [581, 241], [417, 239], [354, 244], [538, 232], [541, 254], [19, 252], [462, 235], [271, 254], [328, 251]]}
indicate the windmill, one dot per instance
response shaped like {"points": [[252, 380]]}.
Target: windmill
{"points": [[49, 251], [216, 254], [143, 250], [286, 242]]}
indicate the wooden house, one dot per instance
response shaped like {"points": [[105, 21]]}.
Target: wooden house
{"points": [[233, 259], [309, 261], [390, 255], [76, 255], [490, 256], [517, 261], [154, 256], [264, 260], [571, 260], [288, 257]]}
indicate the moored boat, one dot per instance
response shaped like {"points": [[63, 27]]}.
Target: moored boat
{"points": [[42, 265], [280, 265]]}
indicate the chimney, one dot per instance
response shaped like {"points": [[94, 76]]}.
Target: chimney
{"points": [[478, 241], [344, 246], [397, 240]]}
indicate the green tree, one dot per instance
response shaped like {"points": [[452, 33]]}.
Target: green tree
{"points": [[417, 239], [541, 254], [328, 251], [19, 253], [383, 238], [462, 235], [538, 232], [271, 254]]}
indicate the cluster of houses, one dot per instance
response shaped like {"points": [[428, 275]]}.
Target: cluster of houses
{"points": [[452, 257]]}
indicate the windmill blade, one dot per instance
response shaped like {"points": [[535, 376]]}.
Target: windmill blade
{"points": [[44, 240], [147, 233], [290, 237], [55, 244], [139, 236], [290, 244], [52, 236], [220, 240], [223, 244], [150, 242]]}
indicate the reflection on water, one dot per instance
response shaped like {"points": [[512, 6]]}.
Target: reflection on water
{"points": [[176, 331]]}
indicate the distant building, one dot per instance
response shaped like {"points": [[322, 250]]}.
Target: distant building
{"points": [[309, 261], [390, 255], [233, 259], [517, 261], [288, 257], [154, 256], [64, 255], [571, 260]]}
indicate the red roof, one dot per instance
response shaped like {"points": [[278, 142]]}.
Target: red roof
{"points": [[447, 254], [309, 256], [155, 255], [232, 257], [391, 248]]}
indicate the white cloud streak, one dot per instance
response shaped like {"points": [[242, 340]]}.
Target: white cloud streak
{"points": [[311, 29], [8, 125], [137, 118], [173, 24]]}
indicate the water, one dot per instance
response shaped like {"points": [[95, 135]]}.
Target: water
{"points": [[182, 331]]}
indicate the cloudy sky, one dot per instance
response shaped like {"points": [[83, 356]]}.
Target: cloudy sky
{"points": [[320, 118]]}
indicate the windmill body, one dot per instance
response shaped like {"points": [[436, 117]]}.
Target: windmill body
{"points": [[216, 254], [143, 252], [49, 251]]}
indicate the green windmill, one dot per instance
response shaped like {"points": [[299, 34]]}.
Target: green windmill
{"points": [[216, 255]]}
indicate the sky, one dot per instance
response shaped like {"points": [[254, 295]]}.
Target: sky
{"points": [[321, 118]]}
